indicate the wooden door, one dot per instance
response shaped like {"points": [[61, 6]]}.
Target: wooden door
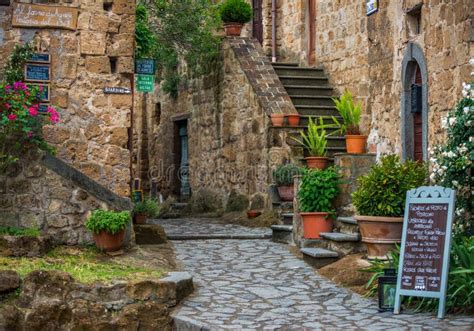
{"points": [[257, 23]]}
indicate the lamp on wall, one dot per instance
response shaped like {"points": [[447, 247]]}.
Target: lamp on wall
{"points": [[387, 290]]}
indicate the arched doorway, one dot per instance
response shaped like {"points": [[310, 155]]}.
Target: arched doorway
{"points": [[414, 104]]}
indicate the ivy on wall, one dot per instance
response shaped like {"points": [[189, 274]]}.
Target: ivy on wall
{"points": [[13, 70]]}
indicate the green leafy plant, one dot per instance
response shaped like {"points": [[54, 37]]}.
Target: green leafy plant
{"points": [[283, 174], [108, 221], [235, 11], [318, 190], [382, 191], [148, 207], [377, 269], [14, 231], [316, 138], [350, 113], [13, 70]]}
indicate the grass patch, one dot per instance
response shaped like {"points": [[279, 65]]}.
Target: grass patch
{"points": [[84, 265], [14, 231]]}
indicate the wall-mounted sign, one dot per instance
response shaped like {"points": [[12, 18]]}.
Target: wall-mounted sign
{"points": [[44, 94], [426, 243], [43, 108], [372, 6], [40, 58], [117, 90], [137, 196], [145, 66], [44, 16], [37, 72], [145, 83]]}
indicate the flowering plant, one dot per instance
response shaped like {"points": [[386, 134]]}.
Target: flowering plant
{"points": [[21, 122], [452, 163]]}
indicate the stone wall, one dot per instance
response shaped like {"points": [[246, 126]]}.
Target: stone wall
{"points": [[93, 132]]}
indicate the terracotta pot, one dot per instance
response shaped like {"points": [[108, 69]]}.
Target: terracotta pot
{"points": [[287, 193], [233, 29], [314, 162], [140, 218], [356, 144], [315, 223], [277, 119], [253, 213], [109, 242], [293, 119], [380, 234]]}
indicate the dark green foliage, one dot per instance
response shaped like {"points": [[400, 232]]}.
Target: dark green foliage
{"points": [[283, 175], [205, 201], [318, 190], [14, 231], [382, 191], [13, 70], [235, 11], [148, 207], [377, 269], [110, 221], [237, 202], [145, 38]]}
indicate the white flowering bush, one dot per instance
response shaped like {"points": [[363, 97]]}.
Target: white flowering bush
{"points": [[452, 163]]}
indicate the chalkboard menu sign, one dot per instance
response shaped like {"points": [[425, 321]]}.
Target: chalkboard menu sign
{"points": [[37, 72], [40, 58], [145, 66], [426, 243]]}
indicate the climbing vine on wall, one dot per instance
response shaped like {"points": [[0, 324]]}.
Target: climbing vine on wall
{"points": [[177, 31], [13, 70]]}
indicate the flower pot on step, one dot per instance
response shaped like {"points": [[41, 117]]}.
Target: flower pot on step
{"points": [[233, 29], [109, 242], [356, 144], [277, 119], [380, 234], [316, 162], [140, 218], [293, 119], [253, 214], [287, 193], [315, 223]]}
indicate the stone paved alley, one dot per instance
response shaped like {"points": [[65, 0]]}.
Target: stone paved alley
{"points": [[261, 285]]}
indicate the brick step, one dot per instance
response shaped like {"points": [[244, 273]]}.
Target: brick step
{"points": [[346, 225], [341, 247], [333, 142], [312, 110], [306, 81], [299, 72], [312, 100], [282, 234], [308, 90], [319, 257], [285, 64]]}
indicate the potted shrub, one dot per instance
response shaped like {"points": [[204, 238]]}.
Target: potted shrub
{"points": [[108, 228], [315, 141], [380, 202], [234, 14], [318, 190], [148, 208], [351, 114], [277, 119], [283, 176]]}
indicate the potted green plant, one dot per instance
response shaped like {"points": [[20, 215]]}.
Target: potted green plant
{"points": [[380, 202], [234, 14], [108, 228], [351, 115], [148, 208], [315, 141], [283, 176], [317, 192]]}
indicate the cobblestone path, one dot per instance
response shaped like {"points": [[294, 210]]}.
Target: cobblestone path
{"points": [[260, 285]]}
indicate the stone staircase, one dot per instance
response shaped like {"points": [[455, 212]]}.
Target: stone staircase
{"points": [[311, 93]]}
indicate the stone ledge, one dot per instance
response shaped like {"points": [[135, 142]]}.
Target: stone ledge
{"points": [[340, 237]]}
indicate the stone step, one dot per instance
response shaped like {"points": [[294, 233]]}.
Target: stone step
{"points": [[282, 234], [179, 205], [341, 247], [299, 72], [318, 257], [307, 81], [312, 100], [285, 64], [287, 218], [341, 237], [347, 220], [316, 110], [346, 225], [308, 90], [333, 142], [149, 234]]}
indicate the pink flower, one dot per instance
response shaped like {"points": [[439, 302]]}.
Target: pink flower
{"points": [[19, 86], [54, 116], [7, 106], [30, 134], [33, 110], [8, 87], [27, 93], [11, 117]]}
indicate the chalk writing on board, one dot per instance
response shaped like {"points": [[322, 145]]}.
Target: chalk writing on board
{"points": [[37, 72], [34, 16]]}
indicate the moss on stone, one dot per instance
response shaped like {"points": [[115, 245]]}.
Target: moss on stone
{"points": [[237, 202], [204, 201]]}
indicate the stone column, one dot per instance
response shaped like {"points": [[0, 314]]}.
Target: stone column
{"points": [[297, 221]]}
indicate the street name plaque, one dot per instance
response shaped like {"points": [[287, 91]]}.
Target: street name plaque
{"points": [[426, 243]]}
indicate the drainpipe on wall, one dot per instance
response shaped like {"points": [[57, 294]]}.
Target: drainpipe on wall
{"points": [[274, 14]]}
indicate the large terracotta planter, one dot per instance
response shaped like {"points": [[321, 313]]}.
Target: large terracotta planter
{"points": [[233, 29], [314, 162], [380, 234], [140, 218], [109, 242], [287, 193], [315, 223], [356, 144], [277, 119], [293, 120]]}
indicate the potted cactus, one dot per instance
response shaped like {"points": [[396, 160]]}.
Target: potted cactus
{"points": [[234, 14], [108, 228], [283, 176]]}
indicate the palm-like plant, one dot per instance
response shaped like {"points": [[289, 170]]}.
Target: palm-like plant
{"points": [[350, 113], [316, 138]]}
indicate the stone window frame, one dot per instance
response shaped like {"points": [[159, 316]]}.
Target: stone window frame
{"points": [[413, 55]]}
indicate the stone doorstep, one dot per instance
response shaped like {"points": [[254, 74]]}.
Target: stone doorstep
{"points": [[183, 282], [149, 234], [347, 220], [340, 237], [319, 257], [282, 227], [282, 234], [346, 225], [341, 247], [178, 237]]}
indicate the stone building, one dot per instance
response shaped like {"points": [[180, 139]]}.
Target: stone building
{"points": [[405, 50], [90, 44]]}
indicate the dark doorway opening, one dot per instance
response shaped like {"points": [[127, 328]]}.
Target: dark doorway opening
{"points": [[181, 152], [416, 110], [257, 21], [311, 31]]}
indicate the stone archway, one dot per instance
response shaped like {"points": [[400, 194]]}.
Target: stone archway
{"points": [[413, 65]]}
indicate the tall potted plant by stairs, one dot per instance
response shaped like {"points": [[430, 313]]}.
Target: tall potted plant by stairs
{"points": [[108, 228], [283, 176], [234, 14], [148, 208], [315, 141], [317, 192], [351, 115], [380, 202]]}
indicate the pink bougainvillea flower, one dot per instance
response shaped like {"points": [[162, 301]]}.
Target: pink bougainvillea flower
{"points": [[27, 93], [7, 106], [7, 87], [54, 116], [33, 110], [30, 134], [11, 117], [19, 86]]}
